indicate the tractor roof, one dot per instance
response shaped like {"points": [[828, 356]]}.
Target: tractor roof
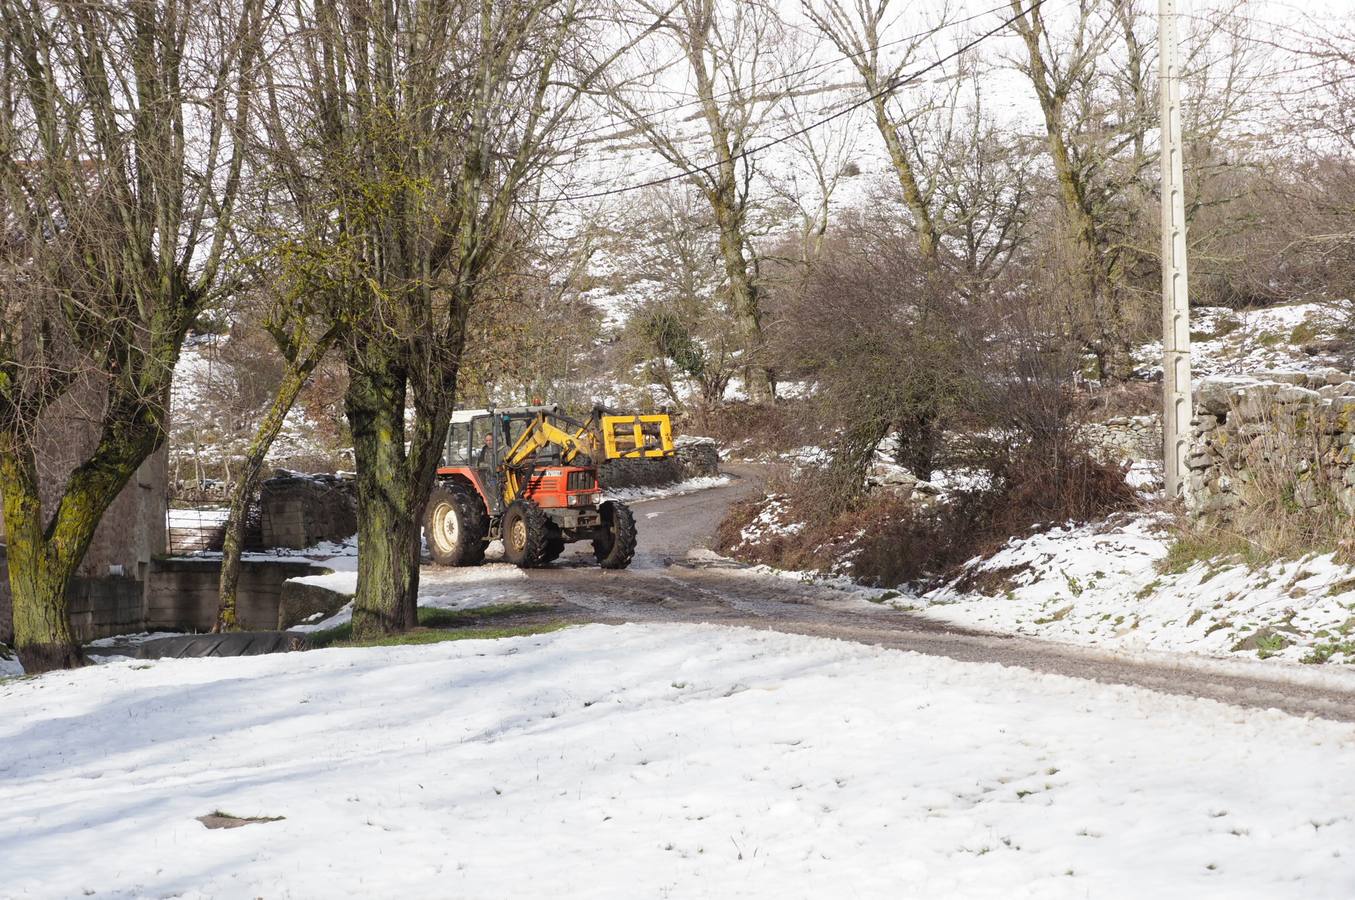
{"points": [[465, 415]]}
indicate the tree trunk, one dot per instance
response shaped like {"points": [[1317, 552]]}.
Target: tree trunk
{"points": [[919, 440], [43, 558], [744, 301], [852, 458], [292, 382], [923, 225], [42, 630], [388, 527]]}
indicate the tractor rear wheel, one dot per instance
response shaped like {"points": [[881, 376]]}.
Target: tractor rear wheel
{"points": [[526, 534], [454, 526], [614, 540]]}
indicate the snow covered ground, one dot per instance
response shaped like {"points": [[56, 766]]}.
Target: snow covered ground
{"points": [[444, 588], [657, 761], [1240, 342], [659, 491], [1100, 585]]}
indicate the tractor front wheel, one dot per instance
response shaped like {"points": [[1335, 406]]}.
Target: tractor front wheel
{"points": [[454, 526], [614, 540], [526, 534]]}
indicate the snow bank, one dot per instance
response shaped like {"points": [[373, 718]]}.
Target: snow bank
{"points": [[658, 492], [446, 588], [1099, 585], [648, 761], [1237, 342]]}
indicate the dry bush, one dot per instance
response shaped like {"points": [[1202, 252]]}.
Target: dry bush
{"points": [[1022, 435], [756, 428], [891, 541], [880, 330]]}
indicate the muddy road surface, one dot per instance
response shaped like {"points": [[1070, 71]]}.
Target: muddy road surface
{"points": [[674, 579]]}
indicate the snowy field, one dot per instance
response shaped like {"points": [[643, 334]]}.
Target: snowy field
{"points": [[657, 761]]}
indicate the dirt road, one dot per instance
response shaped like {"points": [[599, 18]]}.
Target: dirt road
{"points": [[667, 583]]}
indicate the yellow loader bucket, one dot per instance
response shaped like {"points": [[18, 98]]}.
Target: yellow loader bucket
{"points": [[633, 437]]}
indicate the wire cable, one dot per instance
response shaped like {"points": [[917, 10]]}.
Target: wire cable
{"points": [[748, 152]]}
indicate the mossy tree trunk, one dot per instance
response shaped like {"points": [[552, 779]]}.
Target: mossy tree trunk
{"points": [[388, 543], [120, 239], [300, 364], [44, 552]]}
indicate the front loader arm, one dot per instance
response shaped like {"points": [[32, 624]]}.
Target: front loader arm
{"points": [[536, 437], [541, 434]]}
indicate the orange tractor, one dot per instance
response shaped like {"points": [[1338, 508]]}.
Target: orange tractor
{"points": [[528, 476]]}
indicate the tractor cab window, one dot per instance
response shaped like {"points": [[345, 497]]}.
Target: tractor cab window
{"points": [[458, 445], [481, 447], [511, 430]]}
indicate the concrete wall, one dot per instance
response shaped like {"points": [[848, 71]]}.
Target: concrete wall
{"points": [[100, 607], [182, 594]]}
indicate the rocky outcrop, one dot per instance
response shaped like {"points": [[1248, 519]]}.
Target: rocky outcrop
{"points": [[1287, 434]]}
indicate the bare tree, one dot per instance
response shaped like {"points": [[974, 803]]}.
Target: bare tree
{"points": [[672, 334], [860, 30], [824, 159], [119, 169], [1091, 72], [408, 136], [302, 337], [727, 53]]}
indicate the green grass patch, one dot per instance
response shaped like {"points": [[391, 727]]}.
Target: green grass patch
{"points": [[1058, 616], [1216, 548], [1304, 333], [437, 622], [1323, 652], [438, 636]]}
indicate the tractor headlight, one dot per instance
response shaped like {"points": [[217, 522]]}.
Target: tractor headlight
{"points": [[580, 500]]}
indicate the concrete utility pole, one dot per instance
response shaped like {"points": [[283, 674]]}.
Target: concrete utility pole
{"points": [[1176, 399]]}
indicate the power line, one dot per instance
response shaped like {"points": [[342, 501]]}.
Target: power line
{"points": [[751, 151], [723, 95]]}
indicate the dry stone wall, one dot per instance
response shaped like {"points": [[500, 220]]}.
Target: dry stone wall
{"points": [[299, 511], [1290, 434], [694, 457], [1126, 438]]}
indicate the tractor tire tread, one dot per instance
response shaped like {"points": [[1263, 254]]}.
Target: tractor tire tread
{"points": [[534, 553], [474, 525], [616, 549]]}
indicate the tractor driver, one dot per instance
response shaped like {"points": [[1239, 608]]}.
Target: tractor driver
{"points": [[485, 456]]}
